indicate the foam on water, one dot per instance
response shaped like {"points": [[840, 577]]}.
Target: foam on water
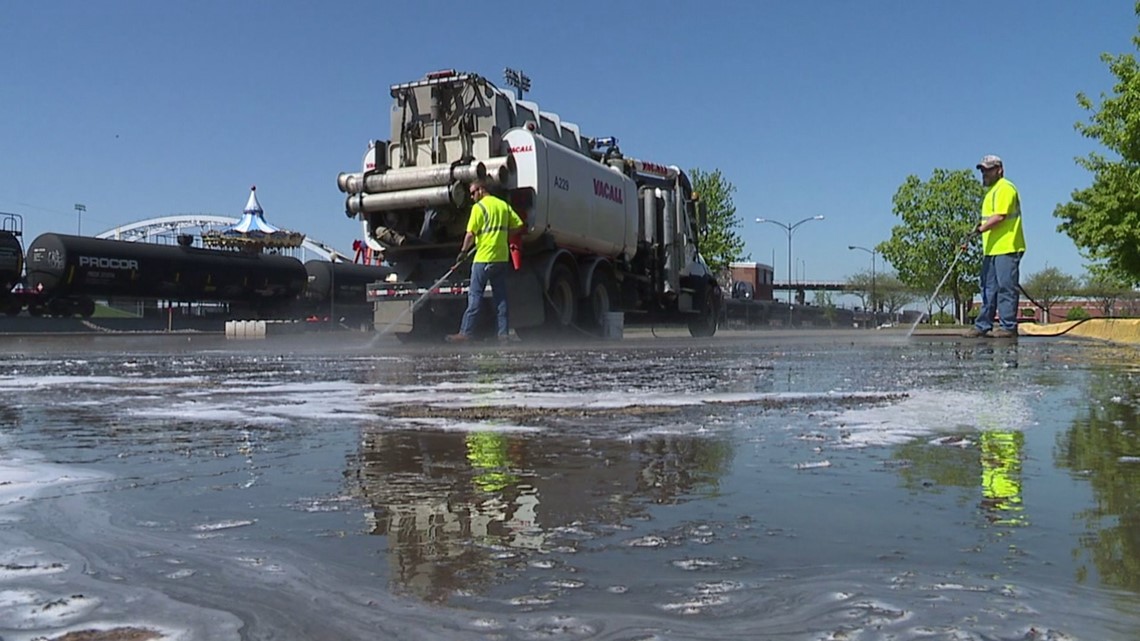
{"points": [[924, 413], [46, 586], [608, 399]]}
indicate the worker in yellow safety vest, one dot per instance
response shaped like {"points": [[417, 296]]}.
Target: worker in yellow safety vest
{"points": [[488, 228], [1003, 244]]}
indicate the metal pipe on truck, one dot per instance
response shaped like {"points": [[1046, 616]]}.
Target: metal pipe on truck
{"points": [[409, 178], [501, 169], [361, 203]]}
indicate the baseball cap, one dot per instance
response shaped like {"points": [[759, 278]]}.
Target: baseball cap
{"points": [[989, 161]]}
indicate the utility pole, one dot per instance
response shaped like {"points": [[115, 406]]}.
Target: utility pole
{"points": [[874, 300]]}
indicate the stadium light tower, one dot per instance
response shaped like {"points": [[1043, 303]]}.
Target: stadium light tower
{"points": [[517, 79], [79, 209]]}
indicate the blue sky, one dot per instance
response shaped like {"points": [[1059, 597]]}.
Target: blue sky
{"points": [[140, 108]]}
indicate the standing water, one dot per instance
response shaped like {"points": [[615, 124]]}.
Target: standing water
{"points": [[771, 485]]}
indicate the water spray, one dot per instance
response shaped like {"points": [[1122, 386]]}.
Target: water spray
{"points": [[419, 301], [930, 301]]}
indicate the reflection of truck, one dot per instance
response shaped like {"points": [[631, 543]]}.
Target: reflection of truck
{"points": [[604, 232]]}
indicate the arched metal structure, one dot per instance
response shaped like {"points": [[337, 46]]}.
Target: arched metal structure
{"points": [[165, 229]]}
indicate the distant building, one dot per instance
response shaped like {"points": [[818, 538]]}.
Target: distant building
{"points": [[1027, 311], [751, 281]]}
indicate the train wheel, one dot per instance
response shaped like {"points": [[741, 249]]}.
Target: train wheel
{"points": [[85, 308], [35, 309]]}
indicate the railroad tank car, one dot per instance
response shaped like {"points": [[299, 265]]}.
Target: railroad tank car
{"points": [[11, 261], [62, 266], [11, 271], [344, 282]]}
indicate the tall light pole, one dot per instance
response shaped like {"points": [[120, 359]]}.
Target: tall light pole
{"points": [[874, 301], [79, 209], [790, 229], [517, 79]]}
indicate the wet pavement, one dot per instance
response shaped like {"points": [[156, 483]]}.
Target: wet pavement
{"points": [[776, 485]]}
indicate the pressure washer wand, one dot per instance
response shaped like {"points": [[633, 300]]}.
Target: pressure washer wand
{"points": [[419, 301], [930, 301]]}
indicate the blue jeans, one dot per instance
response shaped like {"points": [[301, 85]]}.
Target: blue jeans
{"points": [[1000, 291], [481, 274]]}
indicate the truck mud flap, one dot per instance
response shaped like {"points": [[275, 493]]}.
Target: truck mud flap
{"points": [[526, 299]]}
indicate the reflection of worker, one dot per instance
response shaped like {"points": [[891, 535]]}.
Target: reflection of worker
{"points": [[1001, 476], [1003, 244], [489, 458], [491, 222]]}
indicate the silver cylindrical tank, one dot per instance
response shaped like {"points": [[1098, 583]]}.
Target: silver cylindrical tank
{"points": [[578, 202]]}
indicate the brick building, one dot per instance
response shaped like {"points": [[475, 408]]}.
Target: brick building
{"points": [[751, 280]]}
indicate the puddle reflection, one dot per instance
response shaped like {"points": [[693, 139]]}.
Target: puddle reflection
{"points": [[460, 510]]}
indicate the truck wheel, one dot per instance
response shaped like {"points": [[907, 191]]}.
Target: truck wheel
{"points": [[704, 325], [600, 302], [562, 298]]}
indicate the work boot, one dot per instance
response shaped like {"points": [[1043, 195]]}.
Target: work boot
{"points": [[974, 332], [457, 338], [1004, 333]]}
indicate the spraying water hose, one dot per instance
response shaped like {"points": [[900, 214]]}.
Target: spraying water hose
{"points": [[958, 255], [463, 258]]}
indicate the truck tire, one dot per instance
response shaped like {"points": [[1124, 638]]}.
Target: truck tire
{"points": [[600, 301], [705, 323], [561, 305], [561, 299]]}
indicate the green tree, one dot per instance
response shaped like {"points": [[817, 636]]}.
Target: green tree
{"points": [[860, 285], [1104, 219], [936, 216], [1105, 288], [892, 294], [1049, 287], [720, 244]]}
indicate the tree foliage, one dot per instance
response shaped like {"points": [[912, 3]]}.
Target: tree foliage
{"points": [[1051, 286], [881, 291], [1106, 288], [720, 243], [1104, 219], [936, 216]]}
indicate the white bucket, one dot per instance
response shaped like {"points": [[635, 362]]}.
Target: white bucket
{"points": [[612, 325]]}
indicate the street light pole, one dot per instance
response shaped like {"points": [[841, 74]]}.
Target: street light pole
{"points": [[79, 209], [790, 229], [874, 300]]}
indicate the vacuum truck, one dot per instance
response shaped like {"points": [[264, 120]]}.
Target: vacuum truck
{"points": [[604, 233]]}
